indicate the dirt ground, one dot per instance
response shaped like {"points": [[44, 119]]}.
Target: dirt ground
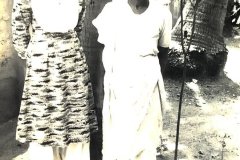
{"points": [[210, 121]]}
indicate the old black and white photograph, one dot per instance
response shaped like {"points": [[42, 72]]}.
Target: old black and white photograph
{"points": [[119, 80]]}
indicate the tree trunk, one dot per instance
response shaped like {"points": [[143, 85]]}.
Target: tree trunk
{"points": [[208, 51], [228, 27], [175, 10]]}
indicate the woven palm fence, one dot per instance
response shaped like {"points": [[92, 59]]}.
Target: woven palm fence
{"points": [[208, 51]]}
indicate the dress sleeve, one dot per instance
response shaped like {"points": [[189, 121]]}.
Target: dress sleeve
{"points": [[21, 20], [165, 29]]}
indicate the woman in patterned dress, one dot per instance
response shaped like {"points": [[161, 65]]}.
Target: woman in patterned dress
{"points": [[56, 114], [132, 32]]}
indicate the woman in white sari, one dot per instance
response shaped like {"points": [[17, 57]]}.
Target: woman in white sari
{"points": [[132, 31]]}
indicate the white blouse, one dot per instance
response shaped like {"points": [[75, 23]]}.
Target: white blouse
{"points": [[56, 15]]}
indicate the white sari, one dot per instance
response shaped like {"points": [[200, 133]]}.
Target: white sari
{"points": [[134, 92]]}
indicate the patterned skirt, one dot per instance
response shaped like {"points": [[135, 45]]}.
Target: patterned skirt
{"points": [[57, 103]]}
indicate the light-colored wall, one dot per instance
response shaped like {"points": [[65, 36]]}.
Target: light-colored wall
{"points": [[5, 34], [11, 67]]}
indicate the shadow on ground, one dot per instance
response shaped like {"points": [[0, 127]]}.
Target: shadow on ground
{"points": [[10, 148]]}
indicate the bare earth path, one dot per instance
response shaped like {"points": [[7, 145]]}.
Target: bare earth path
{"points": [[210, 124]]}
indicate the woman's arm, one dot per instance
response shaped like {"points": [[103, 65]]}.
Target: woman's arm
{"points": [[164, 39], [21, 20]]}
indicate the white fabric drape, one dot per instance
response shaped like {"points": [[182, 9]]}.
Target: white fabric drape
{"points": [[132, 74]]}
